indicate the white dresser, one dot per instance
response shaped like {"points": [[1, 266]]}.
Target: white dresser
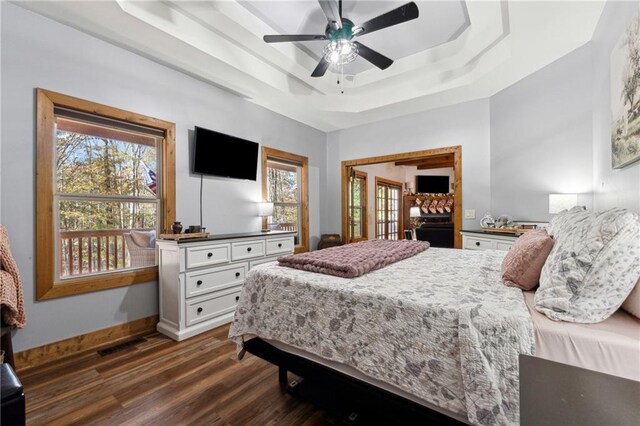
{"points": [[481, 240], [201, 279]]}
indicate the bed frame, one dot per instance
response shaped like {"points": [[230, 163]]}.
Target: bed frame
{"points": [[351, 400]]}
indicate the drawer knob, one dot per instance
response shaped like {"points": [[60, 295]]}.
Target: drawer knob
{"points": [[478, 243], [209, 254], [237, 298], [279, 245], [199, 310], [248, 248], [199, 282], [237, 274]]}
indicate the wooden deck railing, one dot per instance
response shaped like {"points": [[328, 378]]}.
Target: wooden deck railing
{"points": [[87, 252], [286, 226]]}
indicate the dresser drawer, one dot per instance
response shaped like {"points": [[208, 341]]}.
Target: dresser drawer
{"points": [[208, 280], [213, 305], [280, 245], [208, 255], [247, 250], [472, 243]]}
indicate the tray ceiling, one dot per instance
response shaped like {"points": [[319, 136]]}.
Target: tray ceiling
{"points": [[456, 51]]}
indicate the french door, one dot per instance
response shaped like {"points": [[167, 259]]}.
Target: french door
{"points": [[388, 207]]}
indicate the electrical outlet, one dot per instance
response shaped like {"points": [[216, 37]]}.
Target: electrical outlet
{"points": [[470, 214]]}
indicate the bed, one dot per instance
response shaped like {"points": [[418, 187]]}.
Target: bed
{"points": [[438, 328], [441, 326]]}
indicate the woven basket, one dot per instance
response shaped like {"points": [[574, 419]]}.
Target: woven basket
{"points": [[329, 240]]}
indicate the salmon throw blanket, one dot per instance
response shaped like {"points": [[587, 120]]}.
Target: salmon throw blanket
{"points": [[353, 260], [10, 285]]}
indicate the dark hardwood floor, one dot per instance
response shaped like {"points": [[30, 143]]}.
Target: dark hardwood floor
{"points": [[161, 382]]}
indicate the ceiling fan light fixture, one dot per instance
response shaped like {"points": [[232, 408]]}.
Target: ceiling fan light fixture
{"points": [[340, 31], [340, 52]]}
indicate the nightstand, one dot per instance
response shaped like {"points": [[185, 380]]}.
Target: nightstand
{"points": [[482, 240]]}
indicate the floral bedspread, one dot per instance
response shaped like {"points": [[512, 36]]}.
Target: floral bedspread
{"points": [[440, 325]]}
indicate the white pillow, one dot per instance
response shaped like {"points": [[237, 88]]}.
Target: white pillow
{"points": [[593, 266]]}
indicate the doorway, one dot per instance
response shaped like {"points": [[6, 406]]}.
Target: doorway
{"points": [[426, 159]]}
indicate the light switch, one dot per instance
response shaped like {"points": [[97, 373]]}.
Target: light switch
{"points": [[470, 214]]}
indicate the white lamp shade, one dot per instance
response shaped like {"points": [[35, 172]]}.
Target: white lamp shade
{"points": [[265, 209], [559, 202], [415, 212]]}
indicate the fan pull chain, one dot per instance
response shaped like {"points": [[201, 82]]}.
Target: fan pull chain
{"points": [[341, 79]]}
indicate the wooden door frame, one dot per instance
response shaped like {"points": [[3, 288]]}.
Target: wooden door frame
{"points": [[414, 155]]}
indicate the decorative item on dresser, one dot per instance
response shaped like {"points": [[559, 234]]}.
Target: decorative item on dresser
{"points": [[265, 209], [176, 227], [200, 281]]}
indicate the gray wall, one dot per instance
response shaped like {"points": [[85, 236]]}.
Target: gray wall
{"points": [[37, 52], [612, 187], [541, 138], [465, 124]]}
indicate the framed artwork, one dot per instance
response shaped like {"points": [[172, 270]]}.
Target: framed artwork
{"points": [[625, 97]]}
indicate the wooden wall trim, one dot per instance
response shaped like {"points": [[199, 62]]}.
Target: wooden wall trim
{"points": [[414, 155], [96, 339]]}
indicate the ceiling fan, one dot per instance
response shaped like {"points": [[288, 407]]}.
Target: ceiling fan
{"points": [[340, 31]]}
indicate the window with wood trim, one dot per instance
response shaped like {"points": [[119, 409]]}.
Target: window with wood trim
{"points": [[357, 206], [285, 184], [388, 205], [105, 190]]}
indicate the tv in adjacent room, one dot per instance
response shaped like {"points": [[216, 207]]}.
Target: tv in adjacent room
{"points": [[432, 184], [223, 155]]}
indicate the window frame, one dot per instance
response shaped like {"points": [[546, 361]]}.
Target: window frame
{"points": [[387, 183], [47, 286], [303, 162]]}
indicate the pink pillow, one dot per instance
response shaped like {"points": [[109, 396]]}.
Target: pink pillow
{"points": [[523, 263], [632, 303]]}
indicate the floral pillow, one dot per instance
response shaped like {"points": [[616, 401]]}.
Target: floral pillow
{"points": [[593, 266]]}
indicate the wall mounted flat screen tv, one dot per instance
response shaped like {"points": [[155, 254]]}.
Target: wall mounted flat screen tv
{"points": [[432, 184], [218, 154]]}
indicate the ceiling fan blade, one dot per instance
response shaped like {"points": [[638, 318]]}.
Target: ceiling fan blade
{"points": [[292, 37], [374, 57], [322, 68], [394, 17], [331, 9]]}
